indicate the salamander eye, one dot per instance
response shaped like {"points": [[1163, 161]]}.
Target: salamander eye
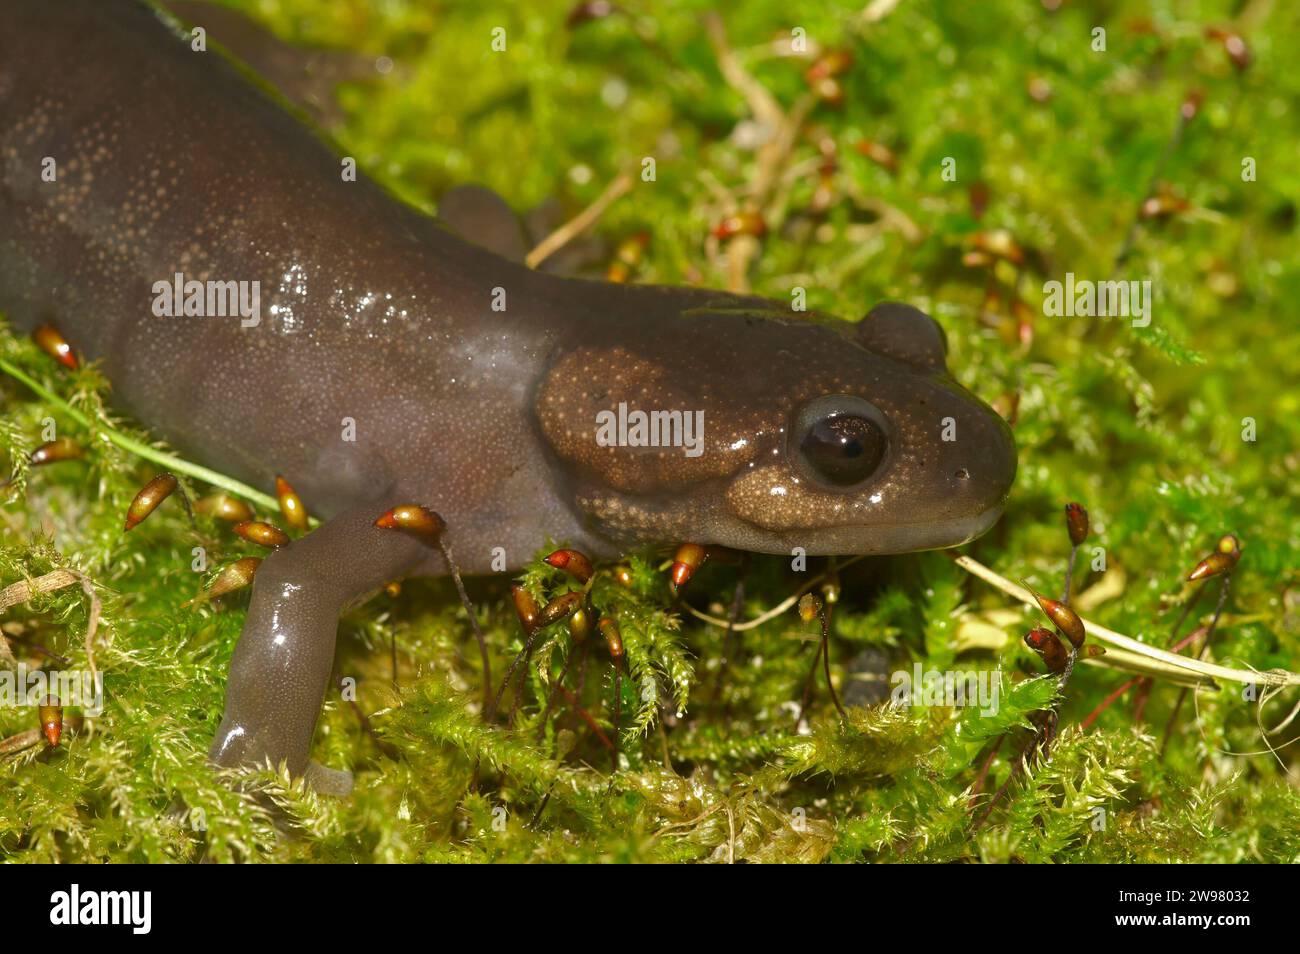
{"points": [[840, 440]]}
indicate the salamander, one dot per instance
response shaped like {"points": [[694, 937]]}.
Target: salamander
{"points": [[394, 358]]}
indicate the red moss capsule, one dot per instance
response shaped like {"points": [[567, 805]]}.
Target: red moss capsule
{"points": [[1076, 522], [559, 608], [829, 90], [50, 715], [262, 533], [628, 257], [148, 499], [741, 223], [580, 624], [525, 607], [233, 577], [823, 196], [1213, 565], [998, 243], [291, 505], [224, 507], [1024, 322], [420, 522], [1191, 104], [1232, 44], [878, 153], [588, 11], [623, 576], [1049, 646], [51, 452], [832, 63], [1137, 26], [1038, 637], [689, 558], [979, 199], [49, 340], [831, 591], [1237, 51], [1066, 619], [809, 607], [1007, 404], [1225, 556], [1163, 205], [613, 638], [993, 308], [572, 562]]}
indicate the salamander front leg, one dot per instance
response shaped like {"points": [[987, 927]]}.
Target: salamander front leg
{"points": [[479, 215], [281, 666]]}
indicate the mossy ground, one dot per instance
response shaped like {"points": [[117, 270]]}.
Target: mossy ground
{"points": [[1144, 426]]}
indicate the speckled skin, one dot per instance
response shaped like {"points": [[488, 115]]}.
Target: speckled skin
{"points": [[168, 160]]}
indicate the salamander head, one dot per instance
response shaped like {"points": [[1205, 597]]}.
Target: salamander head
{"points": [[735, 428]]}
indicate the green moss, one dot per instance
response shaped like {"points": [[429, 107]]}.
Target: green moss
{"points": [[1144, 426]]}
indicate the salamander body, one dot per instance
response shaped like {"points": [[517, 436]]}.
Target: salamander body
{"points": [[390, 360]]}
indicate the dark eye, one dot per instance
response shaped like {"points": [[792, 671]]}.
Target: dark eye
{"points": [[841, 439]]}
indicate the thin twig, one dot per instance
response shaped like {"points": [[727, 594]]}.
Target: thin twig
{"points": [[619, 187], [24, 590], [737, 605], [92, 624], [488, 709], [772, 613], [1105, 703], [1205, 644], [368, 728], [618, 711], [826, 658], [1144, 692], [555, 690], [29, 737], [808, 684], [761, 102], [19, 741], [1069, 575], [520, 656], [1176, 136], [773, 155], [978, 786], [587, 718]]}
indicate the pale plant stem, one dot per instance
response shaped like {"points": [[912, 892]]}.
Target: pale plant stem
{"points": [[1160, 660], [619, 187], [771, 614], [141, 449]]}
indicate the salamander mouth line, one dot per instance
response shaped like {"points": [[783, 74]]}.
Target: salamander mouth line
{"points": [[982, 520]]}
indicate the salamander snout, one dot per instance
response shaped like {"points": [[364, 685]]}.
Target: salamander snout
{"points": [[892, 455]]}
